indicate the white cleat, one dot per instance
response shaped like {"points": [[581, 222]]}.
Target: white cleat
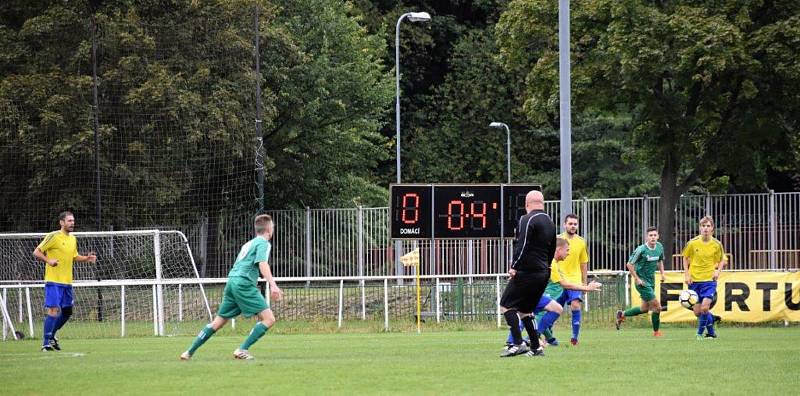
{"points": [[242, 354], [186, 356]]}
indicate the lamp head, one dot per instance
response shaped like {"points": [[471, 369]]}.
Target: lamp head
{"points": [[419, 16]]}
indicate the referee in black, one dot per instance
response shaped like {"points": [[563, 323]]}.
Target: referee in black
{"points": [[530, 269]]}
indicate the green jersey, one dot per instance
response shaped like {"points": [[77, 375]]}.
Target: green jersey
{"points": [[645, 261], [253, 252]]}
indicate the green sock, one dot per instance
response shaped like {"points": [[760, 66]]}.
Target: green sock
{"points": [[258, 331], [548, 335], [545, 332], [201, 339], [656, 318], [633, 311]]}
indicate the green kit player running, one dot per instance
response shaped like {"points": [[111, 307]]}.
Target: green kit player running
{"points": [[642, 266], [241, 295]]}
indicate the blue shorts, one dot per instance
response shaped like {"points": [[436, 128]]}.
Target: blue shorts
{"points": [[542, 303], [567, 296], [57, 295], [706, 289]]}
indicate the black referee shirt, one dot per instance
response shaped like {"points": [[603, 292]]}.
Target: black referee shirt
{"points": [[535, 244]]}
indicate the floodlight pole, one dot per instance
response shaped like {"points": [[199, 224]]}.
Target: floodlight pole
{"points": [[565, 107], [413, 17]]}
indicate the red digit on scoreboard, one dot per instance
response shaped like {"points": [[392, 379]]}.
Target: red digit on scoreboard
{"points": [[479, 215], [460, 215], [413, 208]]}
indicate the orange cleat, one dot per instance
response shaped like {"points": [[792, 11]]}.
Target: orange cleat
{"points": [[657, 334]]}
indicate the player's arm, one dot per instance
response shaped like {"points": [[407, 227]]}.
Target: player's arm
{"points": [[686, 277], [592, 286], [721, 264], [91, 257], [266, 273], [635, 276], [661, 270], [585, 272], [39, 254]]}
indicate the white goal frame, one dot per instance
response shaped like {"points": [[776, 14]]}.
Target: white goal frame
{"points": [[158, 283]]}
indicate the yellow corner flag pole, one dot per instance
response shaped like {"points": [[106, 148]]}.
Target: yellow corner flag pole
{"points": [[409, 259]]}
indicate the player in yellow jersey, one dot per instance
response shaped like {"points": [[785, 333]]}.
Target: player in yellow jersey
{"points": [[58, 250], [703, 260], [574, 268]]}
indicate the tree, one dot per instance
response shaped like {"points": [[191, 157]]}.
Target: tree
{"points": [[709, 86]]}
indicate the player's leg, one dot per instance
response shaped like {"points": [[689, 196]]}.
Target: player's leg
{"points": [[575, 306], [52, 303], [265, 320], [706, 308], [207, 332], [562, 300], [252, 303], [554, 310], [655, 316], [632, 311], [227, 309], [66, 313], [513, 296]]}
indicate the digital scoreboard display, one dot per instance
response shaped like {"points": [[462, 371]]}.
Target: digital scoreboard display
{"points": [[453, 211]]}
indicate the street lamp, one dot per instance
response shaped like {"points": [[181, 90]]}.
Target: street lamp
{"points": [[508, 146], [413, 17]]}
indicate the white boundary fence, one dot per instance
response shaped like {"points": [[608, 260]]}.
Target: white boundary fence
{"points": [[461, 297]]}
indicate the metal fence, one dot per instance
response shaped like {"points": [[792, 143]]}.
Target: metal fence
{"points": [[131, 307], [759, 231]]}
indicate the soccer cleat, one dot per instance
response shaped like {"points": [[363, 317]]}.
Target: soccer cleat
{"points": [[242, 354], [186, 356], [657, 333], [620, 318], [527, 341], [515, 350], [535, 352], [48, 348], [54, 344], [552, 342], [573, 341], [711, 336]]}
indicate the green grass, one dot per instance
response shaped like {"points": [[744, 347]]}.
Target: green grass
{"points": [[760, 361]]}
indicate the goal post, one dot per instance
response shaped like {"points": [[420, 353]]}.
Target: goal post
{"points": [[130, 266]]}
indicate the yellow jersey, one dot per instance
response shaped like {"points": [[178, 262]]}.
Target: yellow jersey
{"points": [[64, 248], [555, 272], [703, 257], [578, 254]]}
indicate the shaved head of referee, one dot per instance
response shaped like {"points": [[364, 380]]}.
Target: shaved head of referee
{"points": [[534, 247]]}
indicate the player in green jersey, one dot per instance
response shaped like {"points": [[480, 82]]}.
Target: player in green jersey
{"points": [[241, 295], [642, 266]]}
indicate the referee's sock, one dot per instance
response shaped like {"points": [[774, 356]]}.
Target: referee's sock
{"points": [[513, 322], [530, 327]]}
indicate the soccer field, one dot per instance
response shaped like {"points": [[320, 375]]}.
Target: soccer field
{"points": [[742, 361]]}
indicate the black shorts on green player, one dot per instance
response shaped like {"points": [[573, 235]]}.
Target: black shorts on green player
{"points": [[241, 296]]}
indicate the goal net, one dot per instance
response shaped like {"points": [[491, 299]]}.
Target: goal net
{"points": [[144, 282]]}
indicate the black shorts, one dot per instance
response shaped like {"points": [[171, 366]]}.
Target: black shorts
{"points": [[524, 291]]}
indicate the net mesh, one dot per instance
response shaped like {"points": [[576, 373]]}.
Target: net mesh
{"points": [[98, 309], [175, 116]]}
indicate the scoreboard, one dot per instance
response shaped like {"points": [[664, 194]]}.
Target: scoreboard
{"points": [[456, 211]]}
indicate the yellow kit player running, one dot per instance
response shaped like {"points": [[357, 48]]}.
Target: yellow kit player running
{"points": [[241, 295], [703, 260], [574, 269]]}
